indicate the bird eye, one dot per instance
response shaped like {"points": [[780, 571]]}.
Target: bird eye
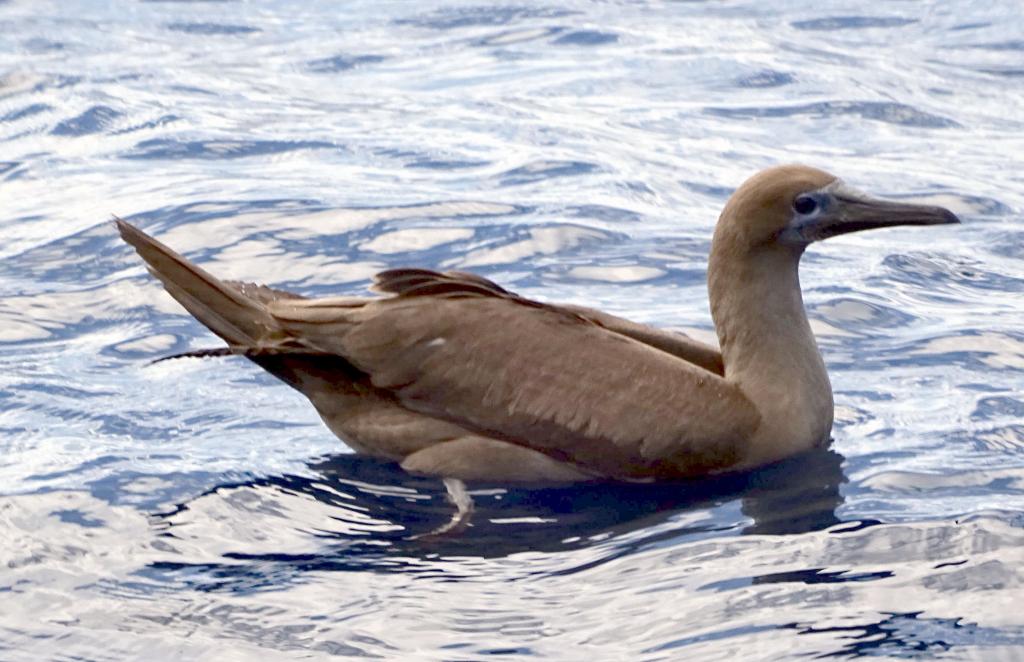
{"points": [[805, 204]]}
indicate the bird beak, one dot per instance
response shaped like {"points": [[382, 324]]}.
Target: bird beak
{"points": [[849, 210]]}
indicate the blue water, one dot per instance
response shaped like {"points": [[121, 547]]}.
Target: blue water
{"points": [[575, 151]]}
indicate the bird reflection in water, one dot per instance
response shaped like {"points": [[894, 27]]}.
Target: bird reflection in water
{"points": [[361, 521]]}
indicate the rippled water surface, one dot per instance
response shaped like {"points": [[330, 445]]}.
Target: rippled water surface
{"points": [[575, 151]]}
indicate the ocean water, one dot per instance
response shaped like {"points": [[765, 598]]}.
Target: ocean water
{"points": [[572, 151]]}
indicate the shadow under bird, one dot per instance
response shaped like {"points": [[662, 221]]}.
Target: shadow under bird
{"points": [[453, 376]]}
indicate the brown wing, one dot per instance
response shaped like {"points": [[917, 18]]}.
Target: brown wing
{"points": [[535, 375], [676, 344], [420, 282]]}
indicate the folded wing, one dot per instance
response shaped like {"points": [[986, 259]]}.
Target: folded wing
{"points": [[532, 374]]}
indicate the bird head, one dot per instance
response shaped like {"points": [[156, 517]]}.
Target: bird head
{"points": [[792, 206]]}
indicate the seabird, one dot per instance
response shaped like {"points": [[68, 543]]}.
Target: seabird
{"points": [[454, 376]]}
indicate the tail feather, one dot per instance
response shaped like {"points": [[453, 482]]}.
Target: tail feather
{"points": [[240, 320]]}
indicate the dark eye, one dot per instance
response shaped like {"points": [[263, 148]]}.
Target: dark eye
{"points": [[805, 204]]}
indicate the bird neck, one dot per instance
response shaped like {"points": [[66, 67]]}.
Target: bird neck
{"points": [[768, 349]]}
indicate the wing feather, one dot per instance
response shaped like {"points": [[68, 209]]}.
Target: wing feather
{"points": [[536, 376]]}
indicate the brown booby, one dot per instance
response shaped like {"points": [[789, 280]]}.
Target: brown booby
{"points": [[451, 375]]}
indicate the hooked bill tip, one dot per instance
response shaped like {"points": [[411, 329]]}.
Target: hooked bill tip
{"points": [[948, 217]]}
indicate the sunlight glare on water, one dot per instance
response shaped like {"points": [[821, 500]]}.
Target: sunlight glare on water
{"points": [[577, 152]]}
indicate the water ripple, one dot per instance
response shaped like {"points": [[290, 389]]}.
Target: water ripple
{"points": [[540, 171], [158, 148], [879, 111], [832, 23], [586, 38], [483, 15], [343, 62], [212, 29]]}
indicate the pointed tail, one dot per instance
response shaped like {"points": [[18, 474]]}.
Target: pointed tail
{"points": [[240, 320]]}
